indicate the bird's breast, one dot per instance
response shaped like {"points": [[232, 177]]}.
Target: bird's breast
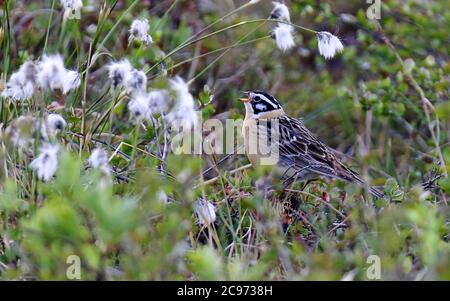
{"points": [[261, 144]]}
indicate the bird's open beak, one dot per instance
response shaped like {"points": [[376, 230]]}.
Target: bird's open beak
{"points": [[245, 99]]}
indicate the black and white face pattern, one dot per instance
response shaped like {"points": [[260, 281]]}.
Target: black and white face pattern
{"points": [[262, 102]]}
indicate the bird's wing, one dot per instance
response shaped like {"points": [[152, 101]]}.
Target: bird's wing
{"points": [[299, 148]]}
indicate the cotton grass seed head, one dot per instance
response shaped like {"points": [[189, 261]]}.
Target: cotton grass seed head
{"points": [[136, 81], [184, 109], [22, 83], [52, 75], [162, 197], [181, 89], [99, 160], [56, 122], [158, 100], [328, 44], [118, 71], [205, 212], [283, 33], [284, 36], [21, 132], [280, 12], [139, 107], [47, 162], [139, 31], [71, 8]]}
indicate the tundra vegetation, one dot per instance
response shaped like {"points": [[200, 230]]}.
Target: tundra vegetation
{"points": [[90, 92]]}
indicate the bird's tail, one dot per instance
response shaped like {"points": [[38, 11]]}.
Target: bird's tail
{"points": [[352, 176]]}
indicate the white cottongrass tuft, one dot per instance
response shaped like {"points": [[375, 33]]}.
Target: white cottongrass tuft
{"points": [[47, 162], [52, 75], [158, 100], [280, 12], [139, 107], [136, 81], [21, 131], [162, 197], [284, 37], [123, 73], [118, 71], [22, 83], [181, 89], [283, 33], [53, 124], [99, 159], [328, 44], [184, 109], [71, 8], [205, 211], [139, 31]]}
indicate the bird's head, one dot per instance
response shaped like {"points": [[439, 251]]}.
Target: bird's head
{"points": [[259, 104]]}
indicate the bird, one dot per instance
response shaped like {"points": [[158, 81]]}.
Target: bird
{"points": [[273, 137]]}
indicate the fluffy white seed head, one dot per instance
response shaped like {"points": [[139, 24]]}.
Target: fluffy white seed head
{"points": [[328, 44], [54, 123], [184, 110], [158, 100], [280, 12], [118, 71], [284, 36], [70, 4], [205, 212], [99, 159], [52, 75], [47, 162], [22, 83], [162, 197], [21, 132], [181, 89], [139, 31], [50, 68], [71, 8], [70, 80], [136, 81], [139, 107]]}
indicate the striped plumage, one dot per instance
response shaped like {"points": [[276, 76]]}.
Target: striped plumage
{"points": [[299, 153]]}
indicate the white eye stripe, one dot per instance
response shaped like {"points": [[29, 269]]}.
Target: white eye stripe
{"points": [[267, 100]]}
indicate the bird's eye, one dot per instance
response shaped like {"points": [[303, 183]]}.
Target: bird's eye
{"points": [[256, 98]]}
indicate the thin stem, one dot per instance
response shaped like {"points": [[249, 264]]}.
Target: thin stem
{"points": [[213, 180], [48, 26], [135, 140], [102, 43], [163, 17], [223, 53], [217, 50], [190, 41], [221, 19]]}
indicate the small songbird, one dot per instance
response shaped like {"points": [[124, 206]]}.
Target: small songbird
{"points": [[300, 155]]}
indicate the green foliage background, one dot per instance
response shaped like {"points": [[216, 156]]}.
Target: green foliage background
{"points": [[363, 103]]}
